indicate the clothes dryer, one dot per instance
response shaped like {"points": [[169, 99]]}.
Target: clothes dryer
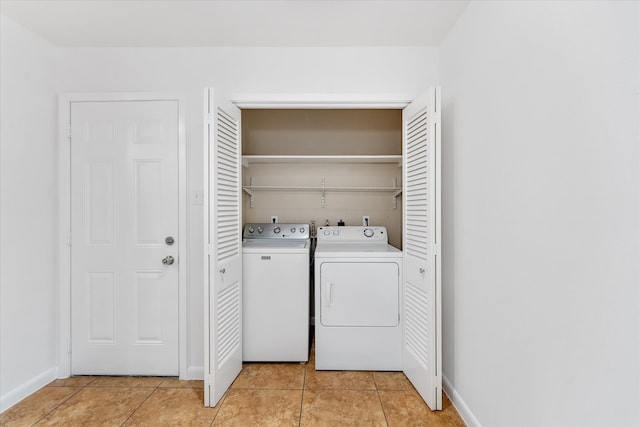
{"points": [[358, 298]]}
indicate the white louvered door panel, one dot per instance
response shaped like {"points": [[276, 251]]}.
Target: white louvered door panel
{"points": [[421, 265], [223, 291]]}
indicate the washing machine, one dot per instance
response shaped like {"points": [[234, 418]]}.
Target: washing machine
{"points": [[358, 300], [275, 292]]}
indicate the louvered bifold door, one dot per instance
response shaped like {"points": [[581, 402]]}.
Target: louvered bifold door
{"points": [[421, 266], [223, 290]]}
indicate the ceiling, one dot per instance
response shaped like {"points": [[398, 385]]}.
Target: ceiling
{"points": [[164, 23]]}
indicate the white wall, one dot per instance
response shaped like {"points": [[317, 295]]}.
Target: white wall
{"points": [[236, 71], [28, 214], [540, 228], [540, 192]]}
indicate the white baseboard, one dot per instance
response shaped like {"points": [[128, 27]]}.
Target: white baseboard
{"points": [[14, 396], [195, 373], [460, 405]]}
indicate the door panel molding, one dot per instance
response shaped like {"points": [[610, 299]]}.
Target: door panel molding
{"points": [[64, 225]]}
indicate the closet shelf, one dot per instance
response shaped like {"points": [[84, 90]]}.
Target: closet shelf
{"points": [[395, 189], [250, 188], [393, 158]]}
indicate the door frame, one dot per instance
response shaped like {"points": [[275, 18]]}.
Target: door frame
{"points": [[389, 101], [64, 214]]}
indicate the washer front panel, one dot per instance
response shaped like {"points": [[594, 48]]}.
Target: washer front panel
{"points": [[275, 306]]}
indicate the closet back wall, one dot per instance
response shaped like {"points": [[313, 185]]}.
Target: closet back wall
{"points": [[278, 70], [325, 132]]}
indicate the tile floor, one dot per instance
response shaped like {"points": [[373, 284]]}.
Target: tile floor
{"points": [[276, 394]]}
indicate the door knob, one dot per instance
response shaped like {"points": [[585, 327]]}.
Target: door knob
{"points": [[168, 260]]}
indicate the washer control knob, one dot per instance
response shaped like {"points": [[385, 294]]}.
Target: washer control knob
{"points": [[327, 232], [293, 230], [302, 229], [368, 232], [336, 232], [251, 230], [260, 230], [276, 230]]}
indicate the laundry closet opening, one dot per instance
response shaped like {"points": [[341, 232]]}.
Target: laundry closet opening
{"points": [[319, 165], [297, 167]]}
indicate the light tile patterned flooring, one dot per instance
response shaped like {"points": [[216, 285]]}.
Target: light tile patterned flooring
{"points": [[275, 394]]}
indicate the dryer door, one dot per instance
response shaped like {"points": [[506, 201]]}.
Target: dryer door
{"points": [[359, 294]]}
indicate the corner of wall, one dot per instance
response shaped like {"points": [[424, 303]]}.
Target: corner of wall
{"points": [[458, 402], [30, 386], [28, 213]]}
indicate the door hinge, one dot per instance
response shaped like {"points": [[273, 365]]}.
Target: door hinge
{"points": [[69, 132], [209, 118], [69, 348], [69, 239], [436, 249]]}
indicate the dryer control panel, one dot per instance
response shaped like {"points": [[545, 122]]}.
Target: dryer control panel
{"points": [[353, 234]]}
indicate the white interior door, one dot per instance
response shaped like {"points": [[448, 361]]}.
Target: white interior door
{"points": [[124, 207], [422, 350], [223, 264]]}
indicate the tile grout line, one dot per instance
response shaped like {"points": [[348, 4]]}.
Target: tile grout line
{"points": [[80, 388], [141, 403], [221, 402], [386, 420], [380, 398], [304, 383]]}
